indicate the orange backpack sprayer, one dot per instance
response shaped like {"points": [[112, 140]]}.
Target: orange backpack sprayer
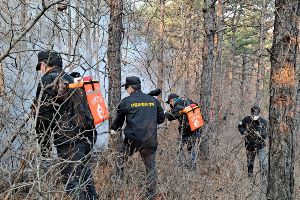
{"points": [[94, 98], [194, 116]]}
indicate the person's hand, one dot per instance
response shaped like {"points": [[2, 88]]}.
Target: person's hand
{"points": [[112, 132], [245, 133]]}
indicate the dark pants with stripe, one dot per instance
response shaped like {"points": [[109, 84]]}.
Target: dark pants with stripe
{"points": [[148, 156], [77, 176]]}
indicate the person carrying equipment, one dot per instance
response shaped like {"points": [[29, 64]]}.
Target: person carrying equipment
{"points": [[142, 113], [190, 120], [255, 129], [56, 116]]}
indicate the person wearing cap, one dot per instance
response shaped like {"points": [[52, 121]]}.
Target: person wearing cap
{"points": [[142, 113], [255, 130], [72, 143], [187, 137]]}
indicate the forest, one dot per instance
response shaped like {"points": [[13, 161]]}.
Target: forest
{"points": [[225, 55]]}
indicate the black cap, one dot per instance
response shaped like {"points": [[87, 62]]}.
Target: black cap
{"points": [[255, 110], [48, 57], [172, 96], [132, 80]]}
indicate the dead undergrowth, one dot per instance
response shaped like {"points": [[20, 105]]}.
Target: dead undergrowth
{"points": [[221, 177]]}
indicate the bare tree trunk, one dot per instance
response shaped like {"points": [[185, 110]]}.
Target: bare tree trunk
{"points": [[88, 39], [206, 78], [196, 41], [69, 33], [115, 31], [2, 87], [161, 48], [283, 100], [234, 21], [218, 66], [188, 52], [77, 24], [23, 21], [260, 57], [243, 87]]}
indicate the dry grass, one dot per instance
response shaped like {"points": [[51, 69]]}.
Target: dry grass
{"points": [[221, 177]]}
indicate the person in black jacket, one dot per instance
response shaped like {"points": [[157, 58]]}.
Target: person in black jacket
{"points": [[72, 143], [187, 136], [255, 129], [142, 113]]}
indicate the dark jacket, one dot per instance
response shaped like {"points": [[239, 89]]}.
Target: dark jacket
{"points": [[249, 127], [64, 130], [142, 112], [177, 113]]}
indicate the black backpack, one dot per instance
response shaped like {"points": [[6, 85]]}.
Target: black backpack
{"points": [[73, 103]]}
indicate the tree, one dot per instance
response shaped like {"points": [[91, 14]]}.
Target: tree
{"points": [[208, 64], [115, 31], [218, 65], [260, 55], [283, 100], [160, 55]]}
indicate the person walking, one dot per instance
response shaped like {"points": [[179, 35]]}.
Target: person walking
{"points": [[255, 130], [55, 117], [187, 136], [142, 113]]}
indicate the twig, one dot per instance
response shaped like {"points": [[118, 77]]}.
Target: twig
{"points": [[237, 146], [23, 165], [11, 46], [16, 134]]}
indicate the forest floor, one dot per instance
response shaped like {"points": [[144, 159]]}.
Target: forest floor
{"points": [[223, 176]]}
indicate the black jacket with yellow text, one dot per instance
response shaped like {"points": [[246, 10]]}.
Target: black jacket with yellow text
{"points": [[142, 113]]}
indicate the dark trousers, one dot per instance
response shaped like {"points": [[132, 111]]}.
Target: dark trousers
{"points": [[77, 176], [262, 157], [148, 156], [190, 142]]}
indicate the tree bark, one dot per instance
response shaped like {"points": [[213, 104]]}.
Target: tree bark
{"points": [[243, 86], [161, 48], [231, 72], [206, 78], [114, 56], [2, 87], [260, 57], [218, 65], [88, 38], [283, 100]]}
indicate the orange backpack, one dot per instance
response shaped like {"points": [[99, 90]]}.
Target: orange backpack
{"points": [[194, 116], [94, 99]]}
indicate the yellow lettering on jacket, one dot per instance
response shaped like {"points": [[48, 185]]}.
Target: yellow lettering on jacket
{"points": [[135, 105]]}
